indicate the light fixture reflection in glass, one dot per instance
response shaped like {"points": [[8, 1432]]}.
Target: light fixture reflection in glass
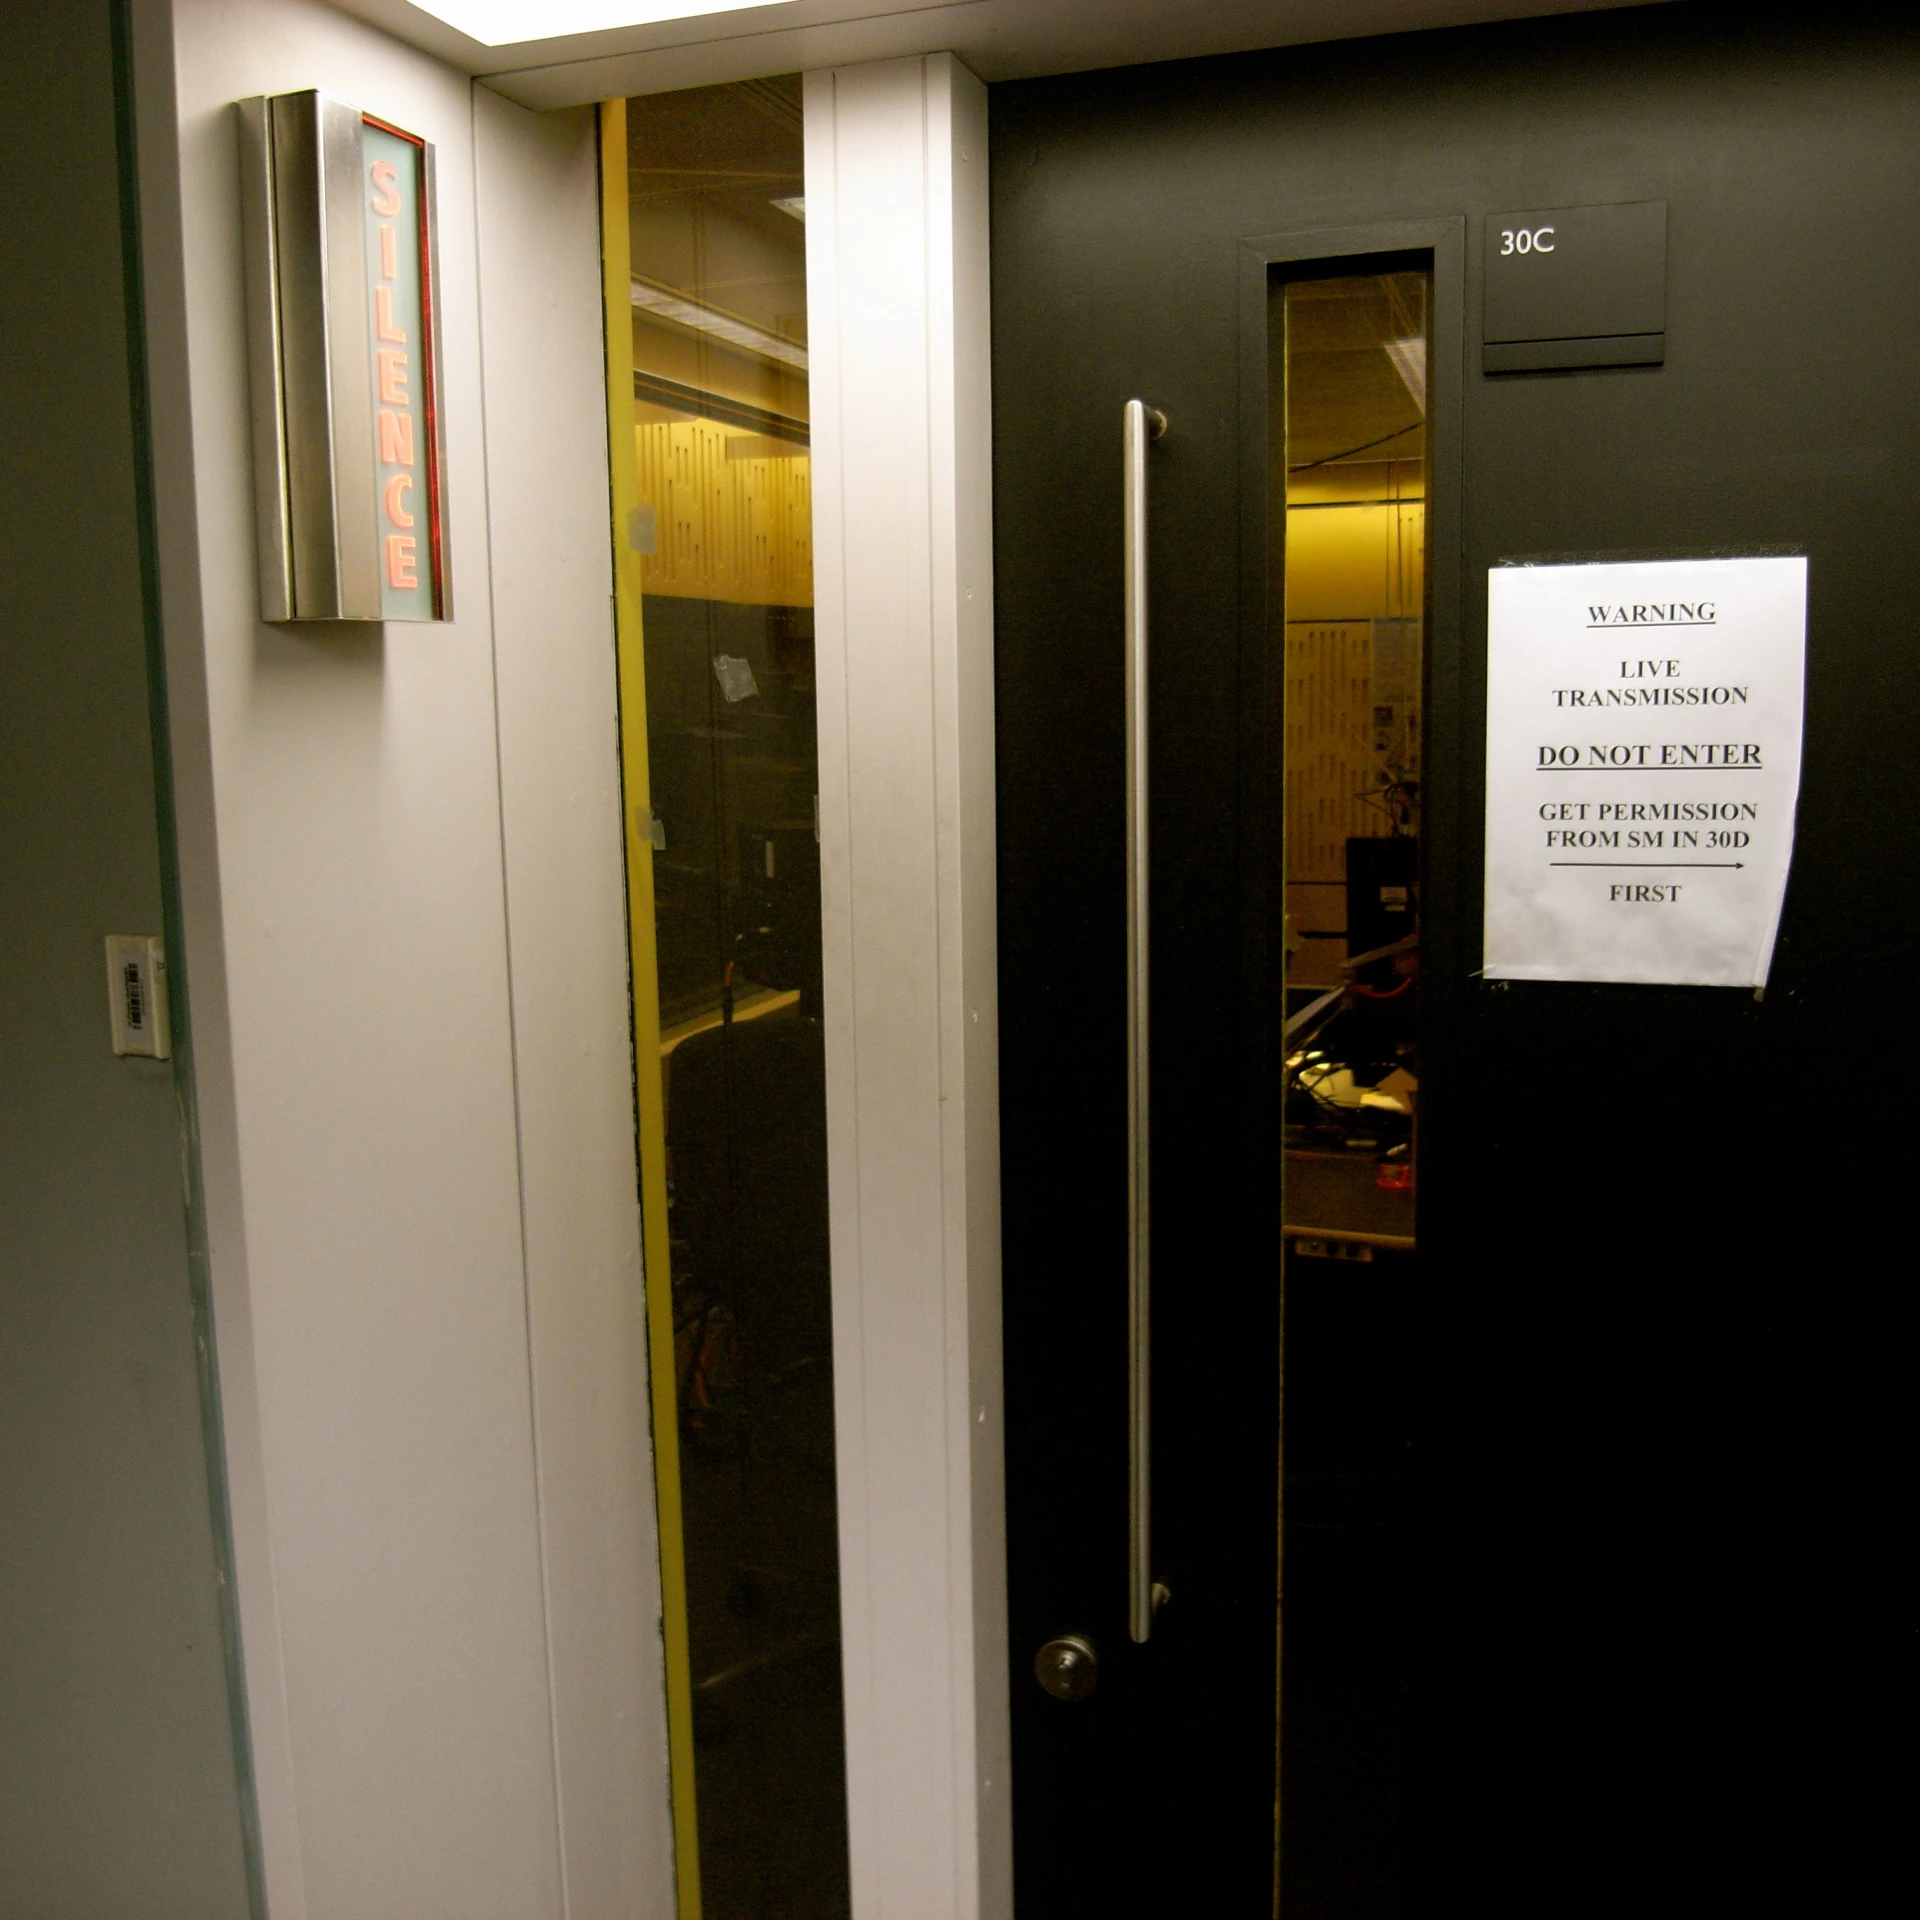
{"points": [[1409, 359], [502, 23], [666, 305]]}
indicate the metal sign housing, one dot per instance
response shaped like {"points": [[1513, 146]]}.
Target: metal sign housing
{"points": [[343, 327]]}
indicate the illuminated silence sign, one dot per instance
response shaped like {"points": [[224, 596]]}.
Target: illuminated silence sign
{"points": [[349, 489], [399, 292]]}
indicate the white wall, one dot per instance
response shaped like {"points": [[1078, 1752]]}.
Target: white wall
{"points": [[404, 921], [898, 335]]}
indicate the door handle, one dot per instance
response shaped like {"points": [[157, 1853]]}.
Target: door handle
{"points": [[1140, 423]]}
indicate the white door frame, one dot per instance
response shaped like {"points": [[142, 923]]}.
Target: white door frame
{"points": [[896, 190]]}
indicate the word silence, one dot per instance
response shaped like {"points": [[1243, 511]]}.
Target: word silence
{"points": [[399, 293]]}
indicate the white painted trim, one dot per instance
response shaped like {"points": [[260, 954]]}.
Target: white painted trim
{"points": [[165, 275], [897, 273], [997, 39], [556, 716]]}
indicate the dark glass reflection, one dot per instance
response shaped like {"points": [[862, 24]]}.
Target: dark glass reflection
{"points": [[1351, 466], [721, 434]]}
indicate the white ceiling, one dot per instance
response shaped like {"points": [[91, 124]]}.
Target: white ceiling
{"points": [[998, 39]]}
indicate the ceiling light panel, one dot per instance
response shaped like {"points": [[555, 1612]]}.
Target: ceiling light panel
{"points": [[505, 23]]}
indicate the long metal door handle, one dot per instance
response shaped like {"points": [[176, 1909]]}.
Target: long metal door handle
{"points": [[1139, 424]]}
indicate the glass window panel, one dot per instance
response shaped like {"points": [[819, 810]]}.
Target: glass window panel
{"points": [[1355, 589], [719, 314], [1350, 465]]}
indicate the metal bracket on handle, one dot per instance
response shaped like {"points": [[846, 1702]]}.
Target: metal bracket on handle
{"points": [[1140, 423]]}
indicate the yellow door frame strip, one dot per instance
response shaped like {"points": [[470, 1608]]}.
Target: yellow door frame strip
{"points": [[615, 255]]}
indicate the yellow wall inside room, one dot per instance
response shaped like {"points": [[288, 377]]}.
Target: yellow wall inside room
{"points": [[712, 367], [1355, 554], [1356, 542], [733, 512]]}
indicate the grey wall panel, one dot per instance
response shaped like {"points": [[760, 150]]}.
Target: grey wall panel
{"points": [[118, 1786]]}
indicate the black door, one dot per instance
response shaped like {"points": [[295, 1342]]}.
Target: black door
{"points": [[1587, 1495]]}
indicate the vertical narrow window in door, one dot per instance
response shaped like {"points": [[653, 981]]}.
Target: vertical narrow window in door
{"points": [[722, 526], [1352, 456]]}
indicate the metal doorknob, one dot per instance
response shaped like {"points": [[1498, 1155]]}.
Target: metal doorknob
{"points": [[1068, 1667]]}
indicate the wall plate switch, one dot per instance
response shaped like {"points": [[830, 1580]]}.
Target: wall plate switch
{"points": [[137, 995]]}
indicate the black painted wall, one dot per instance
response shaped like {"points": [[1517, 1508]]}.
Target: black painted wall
{"points": [[1659, 1405]]}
